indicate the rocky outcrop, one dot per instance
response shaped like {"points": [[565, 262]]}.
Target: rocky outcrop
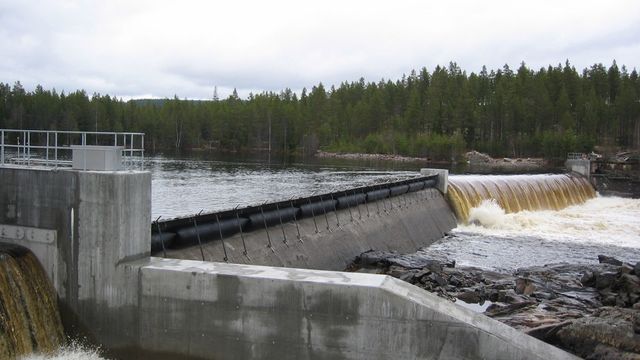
{"points": [[480, 160], [590, 310]]}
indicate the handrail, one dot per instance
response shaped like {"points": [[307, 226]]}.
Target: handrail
{"points": [[52, 148], [576, 156]]}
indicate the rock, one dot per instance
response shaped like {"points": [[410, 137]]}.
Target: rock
{"points": [[588, 279], [396, 271], [438, 279], [629, 283], [605, 279], [608, 298], [422, 273], [408, 276], [610, 329], [525, 286], [497, 309], [547, 332], [456, 281], [558, 303], [626, 269], [603, 259], [470, 296]]}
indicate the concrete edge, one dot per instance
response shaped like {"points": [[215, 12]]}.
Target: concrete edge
{"points": [[484, 323], [390, 285]]}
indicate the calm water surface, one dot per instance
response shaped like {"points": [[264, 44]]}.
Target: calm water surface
{"points": [[182, 187]]}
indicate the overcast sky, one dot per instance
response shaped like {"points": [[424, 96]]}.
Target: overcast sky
{"points": [[161, 48]]}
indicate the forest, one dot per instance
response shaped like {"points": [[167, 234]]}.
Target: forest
{"points": [[436, 114]]}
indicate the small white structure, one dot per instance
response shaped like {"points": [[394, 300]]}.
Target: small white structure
{"points": [[101, 158]]}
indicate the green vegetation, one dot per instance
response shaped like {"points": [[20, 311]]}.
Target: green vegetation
{"points": [[436, 114]]}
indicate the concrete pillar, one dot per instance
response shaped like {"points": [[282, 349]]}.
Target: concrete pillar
{"points": [[443, 178], [86, 225], [580, 166]]}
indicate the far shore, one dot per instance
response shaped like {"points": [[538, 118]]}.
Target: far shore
{"points": [[473, 158]]}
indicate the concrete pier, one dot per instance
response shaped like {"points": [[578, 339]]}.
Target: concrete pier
{"points": [[580, 166], [229, 311], [97, 222]]}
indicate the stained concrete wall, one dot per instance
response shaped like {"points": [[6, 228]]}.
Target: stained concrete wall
{"points": [[403, 223], [580, 166], [229, 311], [101, 221]]}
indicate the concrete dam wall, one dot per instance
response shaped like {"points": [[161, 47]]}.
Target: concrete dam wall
{"points": [[401, 216], [90, 230]]}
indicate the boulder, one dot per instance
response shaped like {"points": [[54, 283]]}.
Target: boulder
{"points": [[525, 286], [605, 279], [603, 259], [609, 334]]}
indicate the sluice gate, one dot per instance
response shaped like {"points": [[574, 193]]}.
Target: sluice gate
{"points": [[319, 232]]}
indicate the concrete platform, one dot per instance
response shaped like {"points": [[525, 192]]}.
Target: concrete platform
{"points": [[230, 311]]}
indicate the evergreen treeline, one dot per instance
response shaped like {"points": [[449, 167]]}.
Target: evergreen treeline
{"points": [[436, 114]]}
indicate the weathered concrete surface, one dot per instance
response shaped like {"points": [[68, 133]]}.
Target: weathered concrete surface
{"points": [[101, 220], [580, 166], [443, 178], [404, 223], [230, 311]]}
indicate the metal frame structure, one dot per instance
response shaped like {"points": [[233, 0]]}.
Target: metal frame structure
{"points": [[51, 148]]}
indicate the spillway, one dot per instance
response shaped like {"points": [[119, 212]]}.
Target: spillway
{"points": [[29, 317], [516, 193]]}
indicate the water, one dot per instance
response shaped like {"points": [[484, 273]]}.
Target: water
{"points": [[577, 234], [516, 193], [498, 241], [182, 187], [73, 351], [29, 318]]}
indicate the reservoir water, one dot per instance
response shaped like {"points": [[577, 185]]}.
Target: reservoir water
{"points": [[182, 187]]}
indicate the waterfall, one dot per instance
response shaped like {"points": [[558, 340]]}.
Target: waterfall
{"points": [[517, 192], [29, 317]]}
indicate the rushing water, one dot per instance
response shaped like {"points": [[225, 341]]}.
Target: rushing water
{"points": [[577, 234]]}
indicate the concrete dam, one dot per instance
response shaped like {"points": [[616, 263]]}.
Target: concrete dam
{"points": [[262, 282]]}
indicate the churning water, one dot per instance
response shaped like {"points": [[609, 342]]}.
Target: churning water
{"points": [[494, 239]]}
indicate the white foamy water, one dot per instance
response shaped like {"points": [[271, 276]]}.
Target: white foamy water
{"points": [[577, 234], [70, 352], [601, 220]]}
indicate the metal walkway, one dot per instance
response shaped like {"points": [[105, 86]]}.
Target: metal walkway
{"points": [[53, 149]]}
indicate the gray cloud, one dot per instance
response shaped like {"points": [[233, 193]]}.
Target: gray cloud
{"points": [[162, 48]]}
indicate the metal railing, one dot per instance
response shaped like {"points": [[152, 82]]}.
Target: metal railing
{"points": [[54, 148], [576, 156]]}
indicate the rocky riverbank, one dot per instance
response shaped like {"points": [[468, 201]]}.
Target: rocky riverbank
{"points": [[480, 161], [590, 310], [368, 157]]}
